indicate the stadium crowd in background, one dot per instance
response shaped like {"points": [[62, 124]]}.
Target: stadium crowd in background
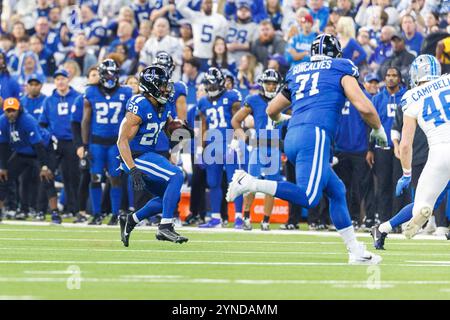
{"points": [[50, 51]]}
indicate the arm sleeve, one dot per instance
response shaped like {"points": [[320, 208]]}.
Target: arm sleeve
{"points": [[397, 125], [76, 132], [41, 153], [186, 12], [3, 154], [286, 92]]}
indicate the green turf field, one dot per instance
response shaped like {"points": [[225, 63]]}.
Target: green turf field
{"points": [[44, 262]]}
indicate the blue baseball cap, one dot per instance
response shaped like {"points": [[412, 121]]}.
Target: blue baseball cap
{"points": [[61, 72], [35, 77], [243, 3], [371, 77]]}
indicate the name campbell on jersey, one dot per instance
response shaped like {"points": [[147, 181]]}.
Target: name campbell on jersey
{"points": [[430, 105]]}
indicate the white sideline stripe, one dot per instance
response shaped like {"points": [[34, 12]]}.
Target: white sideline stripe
{"points": [[242, 263], [319, 171], [153, 172], [64, 227], [155, 166], [49, 272], [162, 279], [219, 241], [429, 261], [18, 297], [313, 253], [313, 169]]}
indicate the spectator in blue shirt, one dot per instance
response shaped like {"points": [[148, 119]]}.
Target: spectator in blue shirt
{"points": [[275, 13], [48, 37], [33, 99], [125, 38], [299, 46], [92, 27], [384, 48], [413, 38], [257, 7], [319, 12], [56, 116], [351, 49], [46, 58], [8, 85]]}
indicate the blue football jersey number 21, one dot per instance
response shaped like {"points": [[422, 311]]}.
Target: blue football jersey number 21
{"points": [[302, 80]]}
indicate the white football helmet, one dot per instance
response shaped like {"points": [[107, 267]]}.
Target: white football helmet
{"points": [[424, 68]]}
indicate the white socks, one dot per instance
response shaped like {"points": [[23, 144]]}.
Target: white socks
{"points": [[264, 186], [135, 218], [349, 237], [238, 215], [166, 221], [385, 227]]}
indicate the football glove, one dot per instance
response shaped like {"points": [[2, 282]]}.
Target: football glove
{"points": [[402, 184], [379, 136], [137, 178]]}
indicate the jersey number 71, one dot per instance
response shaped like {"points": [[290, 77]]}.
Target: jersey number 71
{"points": [[302, 79]]}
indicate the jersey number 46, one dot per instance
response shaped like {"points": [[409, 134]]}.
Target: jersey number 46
{"points": [[439, 111]]}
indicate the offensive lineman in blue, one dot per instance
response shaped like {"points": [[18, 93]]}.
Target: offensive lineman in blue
{"points": [[216, 111], [146, 117], [104, 109], [317, 92], [265, 158]]}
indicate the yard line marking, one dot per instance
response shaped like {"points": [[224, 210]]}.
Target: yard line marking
{"points": [[162, 279], [393, 254], [188, 230], [429, 261], [48, 272], [446, 243]]}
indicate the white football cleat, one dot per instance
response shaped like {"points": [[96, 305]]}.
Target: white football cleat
{"points": [[416, 222], [240, 184], [361, 256], [440, 231]]}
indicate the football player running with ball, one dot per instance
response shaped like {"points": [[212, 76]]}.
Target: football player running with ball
{"points": [[146, 117], [317, 92]]}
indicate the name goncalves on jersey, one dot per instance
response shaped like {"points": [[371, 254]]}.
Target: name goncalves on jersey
{"points": [[311, 66]]}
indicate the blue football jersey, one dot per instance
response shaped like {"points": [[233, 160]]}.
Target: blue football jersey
{"points": [[152, 124], [263, 123], [107, 111], [218, 112], [316, 92]]}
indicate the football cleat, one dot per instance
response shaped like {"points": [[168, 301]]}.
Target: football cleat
{"points": [[80, 218], [448, 236], [265, 226], [96, 221], [361, 256], [239, 223], [40, 216], [213, 223], [127, 225], [416, 222], [113, 221], [289, 226], [378, 238], [167, 233], [20, 216], [56, 218], [247, 225], [240, 184]]}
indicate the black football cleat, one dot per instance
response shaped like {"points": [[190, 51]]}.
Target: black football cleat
{"points": [[80, 218], [127, 225], [113, 221], [96, 221], [378, 238], [167, 233]]}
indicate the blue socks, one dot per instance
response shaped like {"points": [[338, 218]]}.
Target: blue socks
{"points": [[115, 195], [95, 193], [151, 208], [292, 193]]}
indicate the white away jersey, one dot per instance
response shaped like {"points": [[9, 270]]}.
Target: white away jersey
{"points": [[430, 105]]}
